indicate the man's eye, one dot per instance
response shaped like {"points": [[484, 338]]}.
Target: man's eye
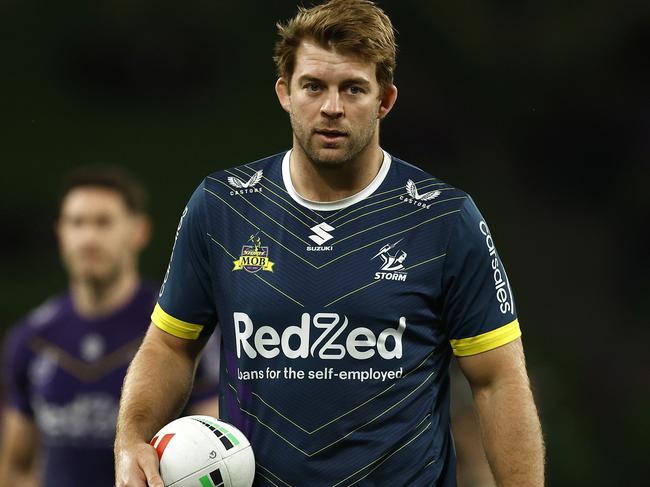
{"points": [[312, 87], [104, 221], [74, 222], [356, 90]]}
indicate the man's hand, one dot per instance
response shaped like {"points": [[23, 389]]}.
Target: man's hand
{"points": [[136, 465], [155, 390]]}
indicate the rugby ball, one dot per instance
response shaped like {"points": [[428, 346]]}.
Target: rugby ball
{"points": [[201, 451]]}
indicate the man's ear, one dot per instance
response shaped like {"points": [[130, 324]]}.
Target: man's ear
{"points": [[142, 231], [387, 101], [56, 226], [282, 90]]}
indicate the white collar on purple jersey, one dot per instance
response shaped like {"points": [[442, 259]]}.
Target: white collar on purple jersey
{"points": [[338, 204]]}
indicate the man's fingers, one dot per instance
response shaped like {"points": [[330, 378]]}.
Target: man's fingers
{"points": [[150, 465], [153, 477], [137, 466], [154, 480]]}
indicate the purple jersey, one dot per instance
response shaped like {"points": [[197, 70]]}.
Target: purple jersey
{"points": [[66, 373]]}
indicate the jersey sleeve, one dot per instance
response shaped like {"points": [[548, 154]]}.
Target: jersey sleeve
{"points": [[186, 307], [478, 307], [15, 370]]}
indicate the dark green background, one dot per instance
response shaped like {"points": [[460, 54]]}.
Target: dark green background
{"points": [[541, 110]]}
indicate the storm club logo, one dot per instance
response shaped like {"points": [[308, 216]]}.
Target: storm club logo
{"points": [[392, 266]]}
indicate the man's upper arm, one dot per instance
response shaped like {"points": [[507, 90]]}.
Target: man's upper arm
{"points": [[162, 340], [204, 396], [19, 433], [19, 442], [16, 359], [488, 369]]}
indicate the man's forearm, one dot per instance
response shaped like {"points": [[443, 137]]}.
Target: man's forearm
{"points": [[511, 432], [155, 390], [19, 460]]}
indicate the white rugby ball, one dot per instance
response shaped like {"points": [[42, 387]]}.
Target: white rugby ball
{"points": [[201, 451]]}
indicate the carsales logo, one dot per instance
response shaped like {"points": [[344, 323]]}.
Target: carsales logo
{"points": [[501, 284], [322, 335]]}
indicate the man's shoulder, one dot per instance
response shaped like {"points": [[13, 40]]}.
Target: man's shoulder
{"points": [[422, 188], [246, 176], [39, 320], [47, 313]]}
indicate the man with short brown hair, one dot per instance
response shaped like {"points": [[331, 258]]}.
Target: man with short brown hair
{"points": [[65, 362], [343, 279]]}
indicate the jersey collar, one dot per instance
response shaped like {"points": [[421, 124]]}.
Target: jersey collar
{"points": [[338, 204]]}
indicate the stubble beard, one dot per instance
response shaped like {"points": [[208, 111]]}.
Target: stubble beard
{"points": [[97, 283], [352, 145]]}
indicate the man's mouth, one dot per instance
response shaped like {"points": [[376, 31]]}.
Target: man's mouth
{"points": [[331, 135]]}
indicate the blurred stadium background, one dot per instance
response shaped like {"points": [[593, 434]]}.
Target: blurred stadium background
{"points": [[541, 110]]}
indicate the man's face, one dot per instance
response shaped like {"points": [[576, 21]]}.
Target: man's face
{"points": [[334, 102], [99, 237]]}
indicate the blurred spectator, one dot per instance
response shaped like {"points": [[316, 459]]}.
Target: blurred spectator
{"points": [[65, 362]]}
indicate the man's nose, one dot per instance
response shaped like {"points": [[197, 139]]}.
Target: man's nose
{"points": [[89, 233], [332, 106]]}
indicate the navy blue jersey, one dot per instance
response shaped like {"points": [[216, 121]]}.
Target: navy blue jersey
{"points": [[338, 319], [65, 372]]}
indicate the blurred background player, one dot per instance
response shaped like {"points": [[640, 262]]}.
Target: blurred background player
{"points": [[65, 362]]}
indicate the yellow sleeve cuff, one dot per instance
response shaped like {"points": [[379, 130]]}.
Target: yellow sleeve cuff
{"points": [[486, 341], [174, 326]]}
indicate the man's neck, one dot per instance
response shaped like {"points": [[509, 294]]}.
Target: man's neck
{"points": [[92, 300], [324, 184]]}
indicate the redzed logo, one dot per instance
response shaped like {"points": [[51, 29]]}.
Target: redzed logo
{"points": [[361, 343], [164, 441]]}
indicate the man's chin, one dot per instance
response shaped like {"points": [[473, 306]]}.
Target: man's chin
{"points": [[332, 157], [94, 277]]}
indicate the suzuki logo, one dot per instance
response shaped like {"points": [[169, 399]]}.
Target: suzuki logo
{"points": [[321, 233]]}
